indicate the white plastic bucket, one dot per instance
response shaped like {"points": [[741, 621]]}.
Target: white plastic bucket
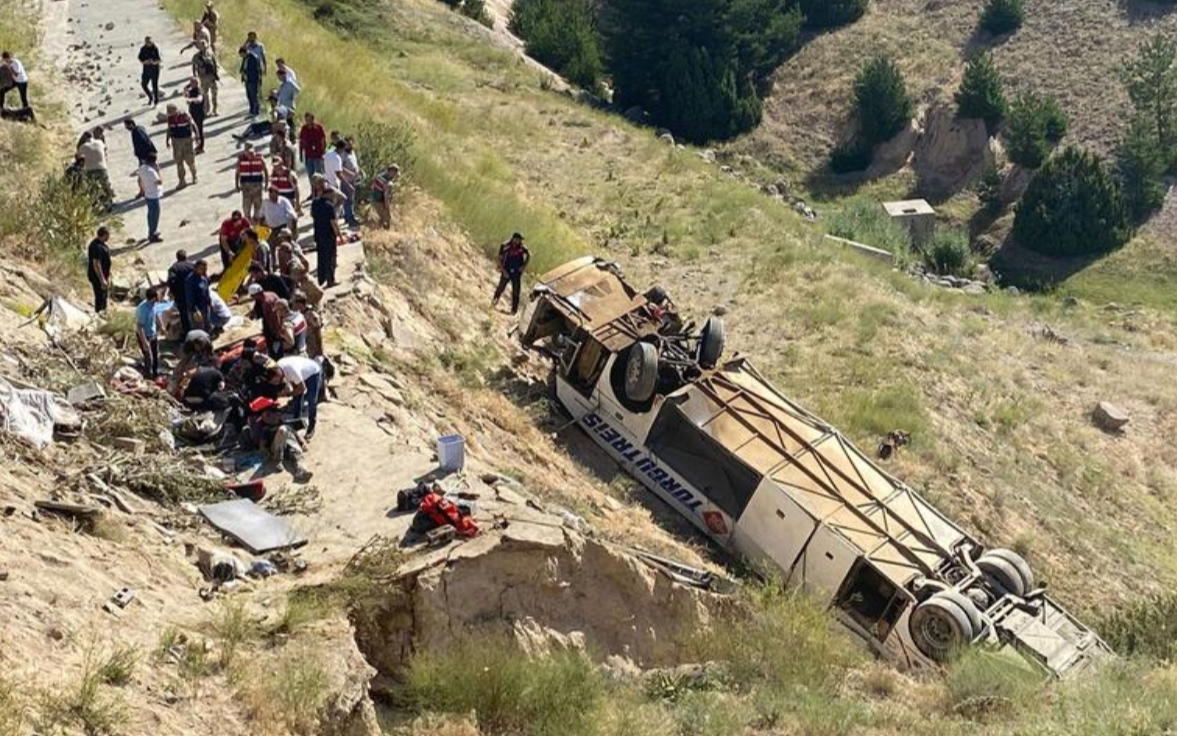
{"points": [[451, 452]]}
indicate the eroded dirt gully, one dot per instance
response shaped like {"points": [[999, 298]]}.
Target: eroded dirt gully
{"points": [[402, 341]]}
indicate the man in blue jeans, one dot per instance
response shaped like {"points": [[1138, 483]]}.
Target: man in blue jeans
{"points": [[151, 184], [305, 377]]}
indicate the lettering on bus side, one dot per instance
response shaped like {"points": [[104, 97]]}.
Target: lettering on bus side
{"points": [[640, 462]]}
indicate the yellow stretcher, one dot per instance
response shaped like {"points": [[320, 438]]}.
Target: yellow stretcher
{"points": [[235, 274]]}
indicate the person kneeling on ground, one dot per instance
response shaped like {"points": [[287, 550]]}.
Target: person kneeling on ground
{"points": [[206, 392], [270, 432], [268, 281]]}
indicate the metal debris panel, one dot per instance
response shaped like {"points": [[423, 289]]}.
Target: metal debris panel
{"points": [[254, 528]]}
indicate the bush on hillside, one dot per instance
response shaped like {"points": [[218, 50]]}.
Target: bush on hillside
{"points": [[821, 14], [981, 94], [1002, 16], [1140, 166], [881, 102], [699, 69], [562, 35], [1151, 82], [1146, 627], [1072, 207], [989, 190], [1057, 122], [949, 253], [852, 156], [1025, 132]]}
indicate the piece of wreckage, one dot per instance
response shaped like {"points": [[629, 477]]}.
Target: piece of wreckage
{"points": [[765, 478]]}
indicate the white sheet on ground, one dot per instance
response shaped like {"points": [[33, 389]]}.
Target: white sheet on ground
{"points": [[31, 414]]}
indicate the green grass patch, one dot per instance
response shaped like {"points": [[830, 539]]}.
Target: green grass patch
{"points": [[508, 693], [865, 221]]}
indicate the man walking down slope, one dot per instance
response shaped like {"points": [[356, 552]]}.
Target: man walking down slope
{"points": [[149, 80], [251, 180], [179, 137], [140, 140], [251, 71], [204, 68], [98, 267], [513, 259]]}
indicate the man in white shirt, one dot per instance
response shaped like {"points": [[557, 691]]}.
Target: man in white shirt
{"points": [[278, 212], [220, 312], [332, 165], [151, 183], [20, 79], [305, 377]]}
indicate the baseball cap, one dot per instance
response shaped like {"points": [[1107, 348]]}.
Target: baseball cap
{"points": [[255, 289]]}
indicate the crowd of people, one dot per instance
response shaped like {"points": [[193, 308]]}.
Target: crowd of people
{"points": [[261, 258], [247, 381]]}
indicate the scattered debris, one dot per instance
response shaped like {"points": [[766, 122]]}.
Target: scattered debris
{"points": [[33, 414], [1051, 335], [85, 513], [256, 529], [1109, 417], [85, 393], [894, 440], [129, 444], [123, 597]]}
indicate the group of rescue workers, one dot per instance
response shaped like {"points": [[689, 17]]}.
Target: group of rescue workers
{"points": [[261, 258]]}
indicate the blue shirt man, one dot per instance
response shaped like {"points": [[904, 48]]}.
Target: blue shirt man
{"points": [[196, 292], [287, 91]]}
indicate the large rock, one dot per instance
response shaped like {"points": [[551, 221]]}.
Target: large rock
{"points": [[1109, 417], [951, 154], [1014, 183], [547, 587], [892, 155]]}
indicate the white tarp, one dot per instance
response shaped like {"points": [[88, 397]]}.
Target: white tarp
{"points": [[31, 413]]}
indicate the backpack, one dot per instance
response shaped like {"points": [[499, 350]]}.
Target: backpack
{"points": [[206, 66]]}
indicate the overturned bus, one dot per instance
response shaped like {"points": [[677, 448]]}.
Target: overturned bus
{"points": [[766, 479]]}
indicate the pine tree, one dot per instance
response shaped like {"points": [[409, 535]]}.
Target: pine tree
{"points": [[1151, 82], [981, 94], [1072, 207], [1002, 16], [881, 102], [1025, 132], [989, 190], [1140, 164], [1055, 119], [703, 98], [698, 67], [821, 14], [561, 34]]}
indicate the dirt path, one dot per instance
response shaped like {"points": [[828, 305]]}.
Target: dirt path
{"points": [[99, 61]]}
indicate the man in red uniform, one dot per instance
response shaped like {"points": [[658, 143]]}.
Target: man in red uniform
{"points": [[230, 236], [312, 145], [284, 180], [252, 179]]}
